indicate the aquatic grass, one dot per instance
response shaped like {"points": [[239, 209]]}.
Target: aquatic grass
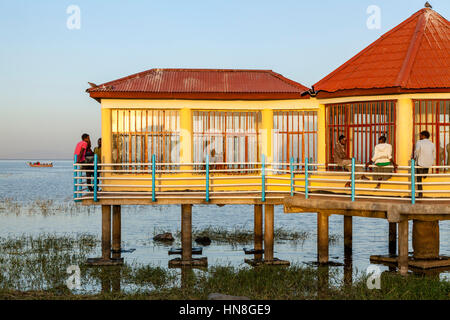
{"points": [[44, 207], [266, 282], [40, 262], [34, 267], [241, 235]]}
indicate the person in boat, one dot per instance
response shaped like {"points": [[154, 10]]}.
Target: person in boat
{"points": [[341, 159], [84, 154], [382, 158]]}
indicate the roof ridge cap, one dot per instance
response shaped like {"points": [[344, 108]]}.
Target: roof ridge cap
{"points": [[413, 48]]}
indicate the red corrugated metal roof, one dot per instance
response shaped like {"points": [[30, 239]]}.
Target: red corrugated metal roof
{"points": [[413, 56], [200, 83]]}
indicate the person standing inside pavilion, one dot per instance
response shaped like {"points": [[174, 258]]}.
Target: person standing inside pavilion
{"points": [[425, 157]]}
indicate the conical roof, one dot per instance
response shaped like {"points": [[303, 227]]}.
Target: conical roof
{"points": [[412, 57]]}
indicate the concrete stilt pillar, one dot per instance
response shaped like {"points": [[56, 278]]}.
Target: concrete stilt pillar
{"points": [[403, 247], [268, 231], [186, 232], [106, 232], [117, 230], [323, 282], [392, 238], [425, 239], [348, 236], [322, 237], [258, 229], [348, 250], [115, 282], [105, 280]]}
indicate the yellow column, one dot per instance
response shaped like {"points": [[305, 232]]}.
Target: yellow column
{"points": [[404, 131], [186, 136], [266, 134], [106, 143], [106, 136], [321, 135]]}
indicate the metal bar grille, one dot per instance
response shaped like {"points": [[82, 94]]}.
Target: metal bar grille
{"points": [[137, 134], [434, 116], [295, 136], [362, 123], [226, 137]]}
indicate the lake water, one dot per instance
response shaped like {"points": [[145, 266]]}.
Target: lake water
{"points": [[26, 185]]}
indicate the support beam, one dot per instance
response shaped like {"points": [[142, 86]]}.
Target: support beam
{"points": [[268, 231], [348, 235], [403, 246], [322, 237], [392, 238], [106, 232], [258, 229], [117, 232], [186, 232]]}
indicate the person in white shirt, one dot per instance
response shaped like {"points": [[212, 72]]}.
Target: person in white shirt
{"points": [[425, 157], [382, 158]]}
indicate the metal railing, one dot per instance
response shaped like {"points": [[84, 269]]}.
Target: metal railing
{"points": [[95, 181]]}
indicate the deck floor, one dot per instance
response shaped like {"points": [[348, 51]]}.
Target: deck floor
{"points": [[247, 198]]}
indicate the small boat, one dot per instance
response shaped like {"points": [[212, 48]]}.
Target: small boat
{"points": [[40, 165]]}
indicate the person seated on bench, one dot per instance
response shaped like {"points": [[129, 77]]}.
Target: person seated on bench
{"points": [[382, 158], [341, 159]]}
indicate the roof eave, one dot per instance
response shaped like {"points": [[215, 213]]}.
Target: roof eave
{"points": [[196, 96], [321, 94]]}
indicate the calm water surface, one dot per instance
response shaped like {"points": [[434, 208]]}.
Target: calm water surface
{"points": [[26, 185]]}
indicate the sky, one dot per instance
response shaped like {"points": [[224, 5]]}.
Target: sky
{"points": [[45, 65]]}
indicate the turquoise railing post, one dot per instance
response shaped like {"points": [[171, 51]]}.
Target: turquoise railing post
{"points": [[80, 180], [153, 177], [263, 178], [207, 178], [413, 181], [95, 176], [353, 179], [75, 178], [292, 176], [306, 179]]}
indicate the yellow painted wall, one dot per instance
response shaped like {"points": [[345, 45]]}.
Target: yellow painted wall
{"points": [[106, 136], [405, 117], [186, 135], [321, 135], [266, 134]]}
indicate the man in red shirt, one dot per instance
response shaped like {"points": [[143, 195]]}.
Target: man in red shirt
{"points": [[82, 146], [80, 152]]}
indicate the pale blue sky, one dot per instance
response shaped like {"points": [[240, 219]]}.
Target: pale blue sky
{"points": [[44, 66]]}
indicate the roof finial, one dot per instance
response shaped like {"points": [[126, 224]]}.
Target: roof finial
{"points": [[428, 5]]}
